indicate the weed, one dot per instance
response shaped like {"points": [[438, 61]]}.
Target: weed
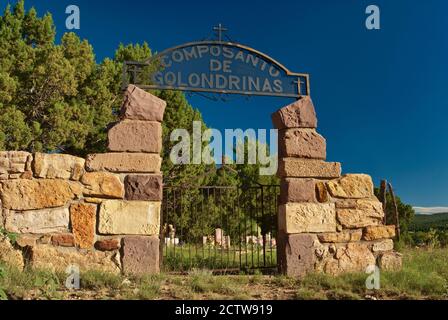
{"points": [[309, 294], [424, 276], [149, 288], [10, 235], [98, 280]]}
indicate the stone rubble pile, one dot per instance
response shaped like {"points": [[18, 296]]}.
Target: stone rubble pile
{"points": [[327, 222], [99, 213]]}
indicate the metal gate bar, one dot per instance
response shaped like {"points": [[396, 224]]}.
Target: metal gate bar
{"points": [[221, 228]]}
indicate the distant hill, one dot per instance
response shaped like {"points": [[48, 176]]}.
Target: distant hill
{"points": [[424, 222]]}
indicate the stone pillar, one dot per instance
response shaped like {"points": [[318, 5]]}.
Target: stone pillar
{"points": [[99, 213], [302, 152], [135, 143], [324, 220]]}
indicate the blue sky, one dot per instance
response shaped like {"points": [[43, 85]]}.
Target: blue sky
{"points": [[380, 95]]}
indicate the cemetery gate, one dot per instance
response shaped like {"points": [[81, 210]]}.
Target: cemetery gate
{"points": [[226, 229]]}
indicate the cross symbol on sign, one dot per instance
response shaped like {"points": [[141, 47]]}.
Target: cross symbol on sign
{"points": [[219, 29], [298, 82]]}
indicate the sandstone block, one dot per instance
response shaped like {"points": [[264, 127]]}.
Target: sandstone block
{"points": [[379, 232], [353, 257], [307, 168], [135, 136], [44, 239], [343, 236], [10, 255], [354, 186], [307, 217], [93, 200], [390, 261], [143, 187], [102, 184], [124, 162], [23, 194], [302, 143], [300, 114], [16, 168], [14, 163], [354, 203], [141, 105], [83, 220], [37, 221], [57, 166], [383, 245], [296, 254], [363, 213], [63, 240], [140, 255], [26, 175], [59, 258], [107, 244], [321, 192], [26, 240], [297, 190], [129, 217]]}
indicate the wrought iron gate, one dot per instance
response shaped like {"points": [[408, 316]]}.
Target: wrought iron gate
{"points": [[222, 228]]}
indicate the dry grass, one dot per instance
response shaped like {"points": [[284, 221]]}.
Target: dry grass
{"points": [[424, 276]]}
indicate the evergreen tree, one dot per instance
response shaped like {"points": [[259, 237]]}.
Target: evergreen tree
{"points": [[56, 98], [47, 90]]}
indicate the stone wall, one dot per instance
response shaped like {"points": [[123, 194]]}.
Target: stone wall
{"points": [[102, 212], [327, 222]]}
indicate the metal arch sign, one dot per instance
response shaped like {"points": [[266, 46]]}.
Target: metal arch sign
{"points": [[217, 67]]}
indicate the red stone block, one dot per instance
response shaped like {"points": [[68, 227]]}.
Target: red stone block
{"points": [[107, 244], [141, 105], [302, 143], [140, 255], [135, 136], [300, 114], [296, 254], [297, 190], [63, 240], [143, 187]]}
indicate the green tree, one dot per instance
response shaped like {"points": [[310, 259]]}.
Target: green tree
{"points": [[46, 88], [56, 98], [15, 133], [179, 114]]}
